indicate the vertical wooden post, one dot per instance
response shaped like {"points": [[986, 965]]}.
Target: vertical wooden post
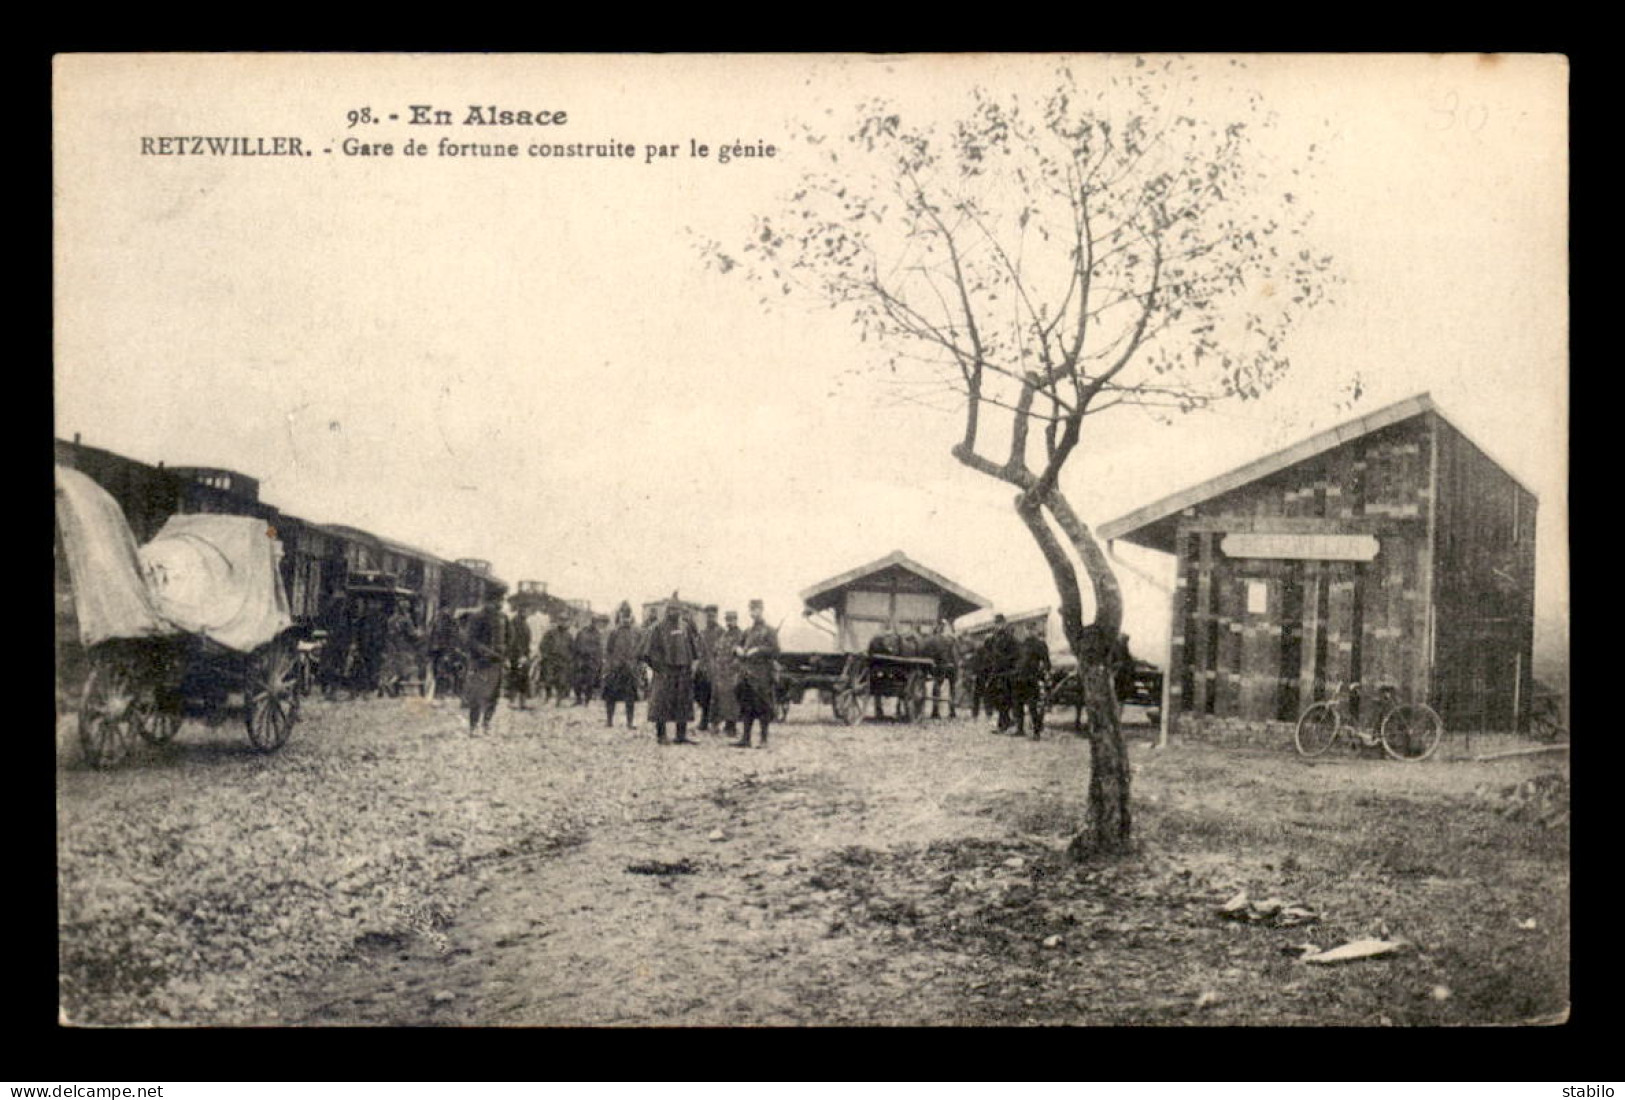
{"points": [[1517, 689], [1166, 713]]}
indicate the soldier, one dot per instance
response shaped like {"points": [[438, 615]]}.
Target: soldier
{"points": [[757, 649], [621, 664], [672, 650], [486, 649], [335, 660], [370, 633], [999, 663], [445, 651], [705, 679], [588, 649], [651, 619], [518, 645], [1028, 679], [725, 674], [401, 637], [557, 657]]}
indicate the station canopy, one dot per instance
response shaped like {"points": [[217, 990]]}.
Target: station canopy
{"points": [[896, 572]]}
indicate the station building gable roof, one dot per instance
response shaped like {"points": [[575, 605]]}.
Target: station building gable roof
{"points": [[1153, 524], [899, 570]]}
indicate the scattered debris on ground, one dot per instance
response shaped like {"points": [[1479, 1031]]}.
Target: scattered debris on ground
{"points": [[1357, 950], [1539, 800], [661, 867], [1271, 911]]}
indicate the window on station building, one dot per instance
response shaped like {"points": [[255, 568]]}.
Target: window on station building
{"points": [[1258, 597]]}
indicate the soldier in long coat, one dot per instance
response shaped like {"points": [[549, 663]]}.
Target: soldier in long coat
{"points": [[1028, 680], [401, 639], [725, 670], [672, 650], [757, 650], [651, 619], [589, 662], [371, 634], [335, 661], [621, 667], [518, 647], [446, 652], [487, 646], [556, 662], [705, 678], [999, 666]]}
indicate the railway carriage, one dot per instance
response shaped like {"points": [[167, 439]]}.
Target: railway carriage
{"points": [[318, 564]]}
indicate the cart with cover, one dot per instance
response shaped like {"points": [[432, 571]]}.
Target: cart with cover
{"points": [[194, 622]]}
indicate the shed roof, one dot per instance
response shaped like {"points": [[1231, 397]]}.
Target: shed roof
{"points": [[957, 600], [1153, 525], [1011, 618]]}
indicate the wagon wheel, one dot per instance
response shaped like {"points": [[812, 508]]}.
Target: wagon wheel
{"points": [[270, 700], [158, 716], [852, 695], [911, 703], [108, 713]]}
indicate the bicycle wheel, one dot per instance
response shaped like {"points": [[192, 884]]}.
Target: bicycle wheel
{"points": [[1317, 729], [1411, 731]]}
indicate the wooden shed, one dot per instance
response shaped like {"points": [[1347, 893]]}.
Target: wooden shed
{"points": [[894, 593], [1387, 550]]}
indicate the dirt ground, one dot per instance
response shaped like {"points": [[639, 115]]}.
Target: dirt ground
{"points": [[387, 868]]}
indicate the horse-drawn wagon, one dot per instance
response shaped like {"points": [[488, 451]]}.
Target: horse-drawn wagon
{"points": [[194, 621], [849, 681]]}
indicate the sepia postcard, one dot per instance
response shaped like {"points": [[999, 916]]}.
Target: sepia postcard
{"points": [[816, 539]]}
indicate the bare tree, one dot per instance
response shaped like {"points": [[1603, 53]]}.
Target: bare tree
{"points": [[1040, 265]]}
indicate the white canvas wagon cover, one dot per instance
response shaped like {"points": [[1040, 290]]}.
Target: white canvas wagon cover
{"points": [[219, 576], [110, 594]]}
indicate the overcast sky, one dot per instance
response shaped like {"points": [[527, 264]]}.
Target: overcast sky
{"points": [[526, 361]]}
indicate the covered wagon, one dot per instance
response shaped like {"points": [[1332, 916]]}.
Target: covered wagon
{"points": [[195, 621]]}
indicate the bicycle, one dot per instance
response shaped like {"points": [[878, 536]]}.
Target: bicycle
{"points": [[1406, 731]]}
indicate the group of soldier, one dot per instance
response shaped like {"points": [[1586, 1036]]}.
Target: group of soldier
{"points": [[371, 644], [1009, 673], [716, 671], [722, 672]]}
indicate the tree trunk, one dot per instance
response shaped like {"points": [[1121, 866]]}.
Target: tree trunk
{"points": [[1096, 648], [1110, 821]]}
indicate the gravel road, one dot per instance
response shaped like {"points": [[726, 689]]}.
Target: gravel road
{"points": [[388, 868]]}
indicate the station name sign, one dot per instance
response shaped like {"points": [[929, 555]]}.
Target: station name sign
{"points": [[1305, 547]]}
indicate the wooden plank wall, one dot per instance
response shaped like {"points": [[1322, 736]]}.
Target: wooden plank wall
{"points": [[1484, 604], [1348, 620]]}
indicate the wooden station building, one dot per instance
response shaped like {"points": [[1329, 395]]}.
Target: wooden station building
{"points": [[893, 594], [1387, 550]]}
